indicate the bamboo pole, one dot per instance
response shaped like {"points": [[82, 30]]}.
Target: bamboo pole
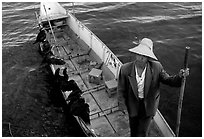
{"points": [[181, 93], [49, 24], [51, 31], [73, 10]]}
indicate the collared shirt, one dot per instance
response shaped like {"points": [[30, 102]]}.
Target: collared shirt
{"points": [[140, 82]]}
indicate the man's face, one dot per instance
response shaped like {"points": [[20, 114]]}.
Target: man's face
{"points": [[141, 60]]}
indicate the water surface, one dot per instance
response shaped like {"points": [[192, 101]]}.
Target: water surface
{"points": [[171, 26]]}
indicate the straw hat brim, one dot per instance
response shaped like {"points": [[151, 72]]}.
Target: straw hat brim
{"points": [[143, 50]]}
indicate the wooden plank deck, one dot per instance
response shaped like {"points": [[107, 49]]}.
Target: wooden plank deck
{"points": [[106, 120]]}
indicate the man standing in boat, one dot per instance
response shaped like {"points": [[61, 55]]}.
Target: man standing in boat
{"points": [[138, 87]]}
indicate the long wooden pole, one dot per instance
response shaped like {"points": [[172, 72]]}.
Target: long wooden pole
{"points": [[182, 93], [49, 24], [52, 31], [73, 10]]}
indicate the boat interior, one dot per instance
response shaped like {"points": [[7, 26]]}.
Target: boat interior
{"points": [[95, 80]]}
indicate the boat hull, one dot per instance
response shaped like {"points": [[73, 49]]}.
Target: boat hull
{"points": [[80, 47]]}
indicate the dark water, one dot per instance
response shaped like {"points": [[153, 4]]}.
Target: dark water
{"points": [[171, 26]]}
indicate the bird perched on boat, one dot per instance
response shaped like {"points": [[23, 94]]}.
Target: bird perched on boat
{"points": [[66, 77], [50, 58], [76, 103], [61, 80], [41, 36], [45, 47]]}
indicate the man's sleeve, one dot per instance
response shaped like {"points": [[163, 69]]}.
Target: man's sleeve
{"points": [[174, 81], [121, 90]]}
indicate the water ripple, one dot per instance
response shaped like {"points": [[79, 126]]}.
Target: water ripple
{"points": [[171, 26]]}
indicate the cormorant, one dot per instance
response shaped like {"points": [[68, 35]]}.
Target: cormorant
{"points": [[41, 36]]}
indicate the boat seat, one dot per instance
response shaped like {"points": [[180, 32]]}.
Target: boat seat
{"points": [[111, 87], [95, 76]]}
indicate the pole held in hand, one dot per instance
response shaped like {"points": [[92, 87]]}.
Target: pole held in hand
{"points": [[182, 92]]}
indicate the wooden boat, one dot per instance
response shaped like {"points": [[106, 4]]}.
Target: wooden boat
{"points": [[95, 68]]}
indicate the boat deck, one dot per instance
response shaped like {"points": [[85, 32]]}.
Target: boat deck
{"points": [[106, 120]]}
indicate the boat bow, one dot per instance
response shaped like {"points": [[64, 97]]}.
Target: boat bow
{"points": [[51, 11]]}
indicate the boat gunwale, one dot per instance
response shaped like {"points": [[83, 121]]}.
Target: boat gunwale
{"points": [[171, 133]]}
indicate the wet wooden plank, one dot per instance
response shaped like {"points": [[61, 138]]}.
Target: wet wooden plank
{"points": [[78, 69]]}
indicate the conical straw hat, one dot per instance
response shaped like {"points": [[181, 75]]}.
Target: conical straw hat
{"points": [[145, 48]]}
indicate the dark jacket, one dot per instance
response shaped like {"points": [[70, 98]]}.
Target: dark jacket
{"points": [[128, 91]]}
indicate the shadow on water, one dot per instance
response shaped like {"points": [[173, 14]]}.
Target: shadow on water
{"points": [[30, 104]]}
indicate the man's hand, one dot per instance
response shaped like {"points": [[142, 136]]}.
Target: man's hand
{"points": [[183, 72]]}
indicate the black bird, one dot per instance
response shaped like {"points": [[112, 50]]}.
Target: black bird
{"points": [[53, 59], [45, 47], [66, 77], [41, 36]]}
